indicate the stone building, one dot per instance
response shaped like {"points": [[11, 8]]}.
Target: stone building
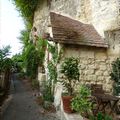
{"points": [[88, 29]]}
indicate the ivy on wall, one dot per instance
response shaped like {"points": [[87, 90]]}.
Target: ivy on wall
{"points": [[52, 66]]}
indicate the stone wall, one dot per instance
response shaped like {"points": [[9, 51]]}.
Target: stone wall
{"points": [[113, 38], [104, 12], [105, 16], [41, 17], [94, 65], [77, 9]]}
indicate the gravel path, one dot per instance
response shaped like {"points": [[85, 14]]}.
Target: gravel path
{"points": [[24, 107]]}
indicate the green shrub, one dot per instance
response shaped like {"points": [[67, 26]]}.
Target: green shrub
{"points": [[47, 92], [71, 73], [31, 60], [115, 75], [80, 102], [101, 116]]}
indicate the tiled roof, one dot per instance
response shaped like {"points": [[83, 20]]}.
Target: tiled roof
{"points": [[68, 31]]}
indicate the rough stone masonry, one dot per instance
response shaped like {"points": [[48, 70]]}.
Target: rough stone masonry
{"points": [[104, 15]]}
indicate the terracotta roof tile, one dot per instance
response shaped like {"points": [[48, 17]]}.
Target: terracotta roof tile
{"points": [[68, 31]]}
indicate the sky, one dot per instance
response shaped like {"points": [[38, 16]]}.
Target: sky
{"points": [[10, 26]]}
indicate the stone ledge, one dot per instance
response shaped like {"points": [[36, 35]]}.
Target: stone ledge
{"points": [[72, 116], [5, 104]]}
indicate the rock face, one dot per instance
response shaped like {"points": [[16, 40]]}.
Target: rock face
{"points": [[104, 15], [104, 12]]}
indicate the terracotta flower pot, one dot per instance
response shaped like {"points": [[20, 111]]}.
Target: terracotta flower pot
{"points": [[67, 104]]}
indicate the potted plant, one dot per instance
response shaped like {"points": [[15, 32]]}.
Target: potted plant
{"points": [[70, 69], [81, 102]]}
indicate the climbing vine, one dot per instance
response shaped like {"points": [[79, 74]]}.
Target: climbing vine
{"points": [[52, 66], [52, 74]]}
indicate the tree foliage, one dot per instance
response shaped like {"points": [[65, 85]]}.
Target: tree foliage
{"points": [[32, 55], [29, 54], [6, 65], [26, 8], [24, 38], [18, 62], [4, 52], [31, 60], [5, 62], [41, 48]]}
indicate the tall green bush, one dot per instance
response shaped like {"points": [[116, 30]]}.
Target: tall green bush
{"points": [[41, 48], [18, 62], [115, 75], [4, 60], [6, 65], [24, 38], [33, 56], [80, 102], [70, 69], [31, 60]]}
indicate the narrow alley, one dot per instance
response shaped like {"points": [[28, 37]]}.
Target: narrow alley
{"points": [[24, 107]]}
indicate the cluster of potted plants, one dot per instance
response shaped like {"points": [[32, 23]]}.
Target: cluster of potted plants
{"points": [[74, 100], [77, 100], [70, 70]]}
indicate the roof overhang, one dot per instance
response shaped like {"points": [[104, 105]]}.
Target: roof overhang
{"points": [[68, 31]]}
